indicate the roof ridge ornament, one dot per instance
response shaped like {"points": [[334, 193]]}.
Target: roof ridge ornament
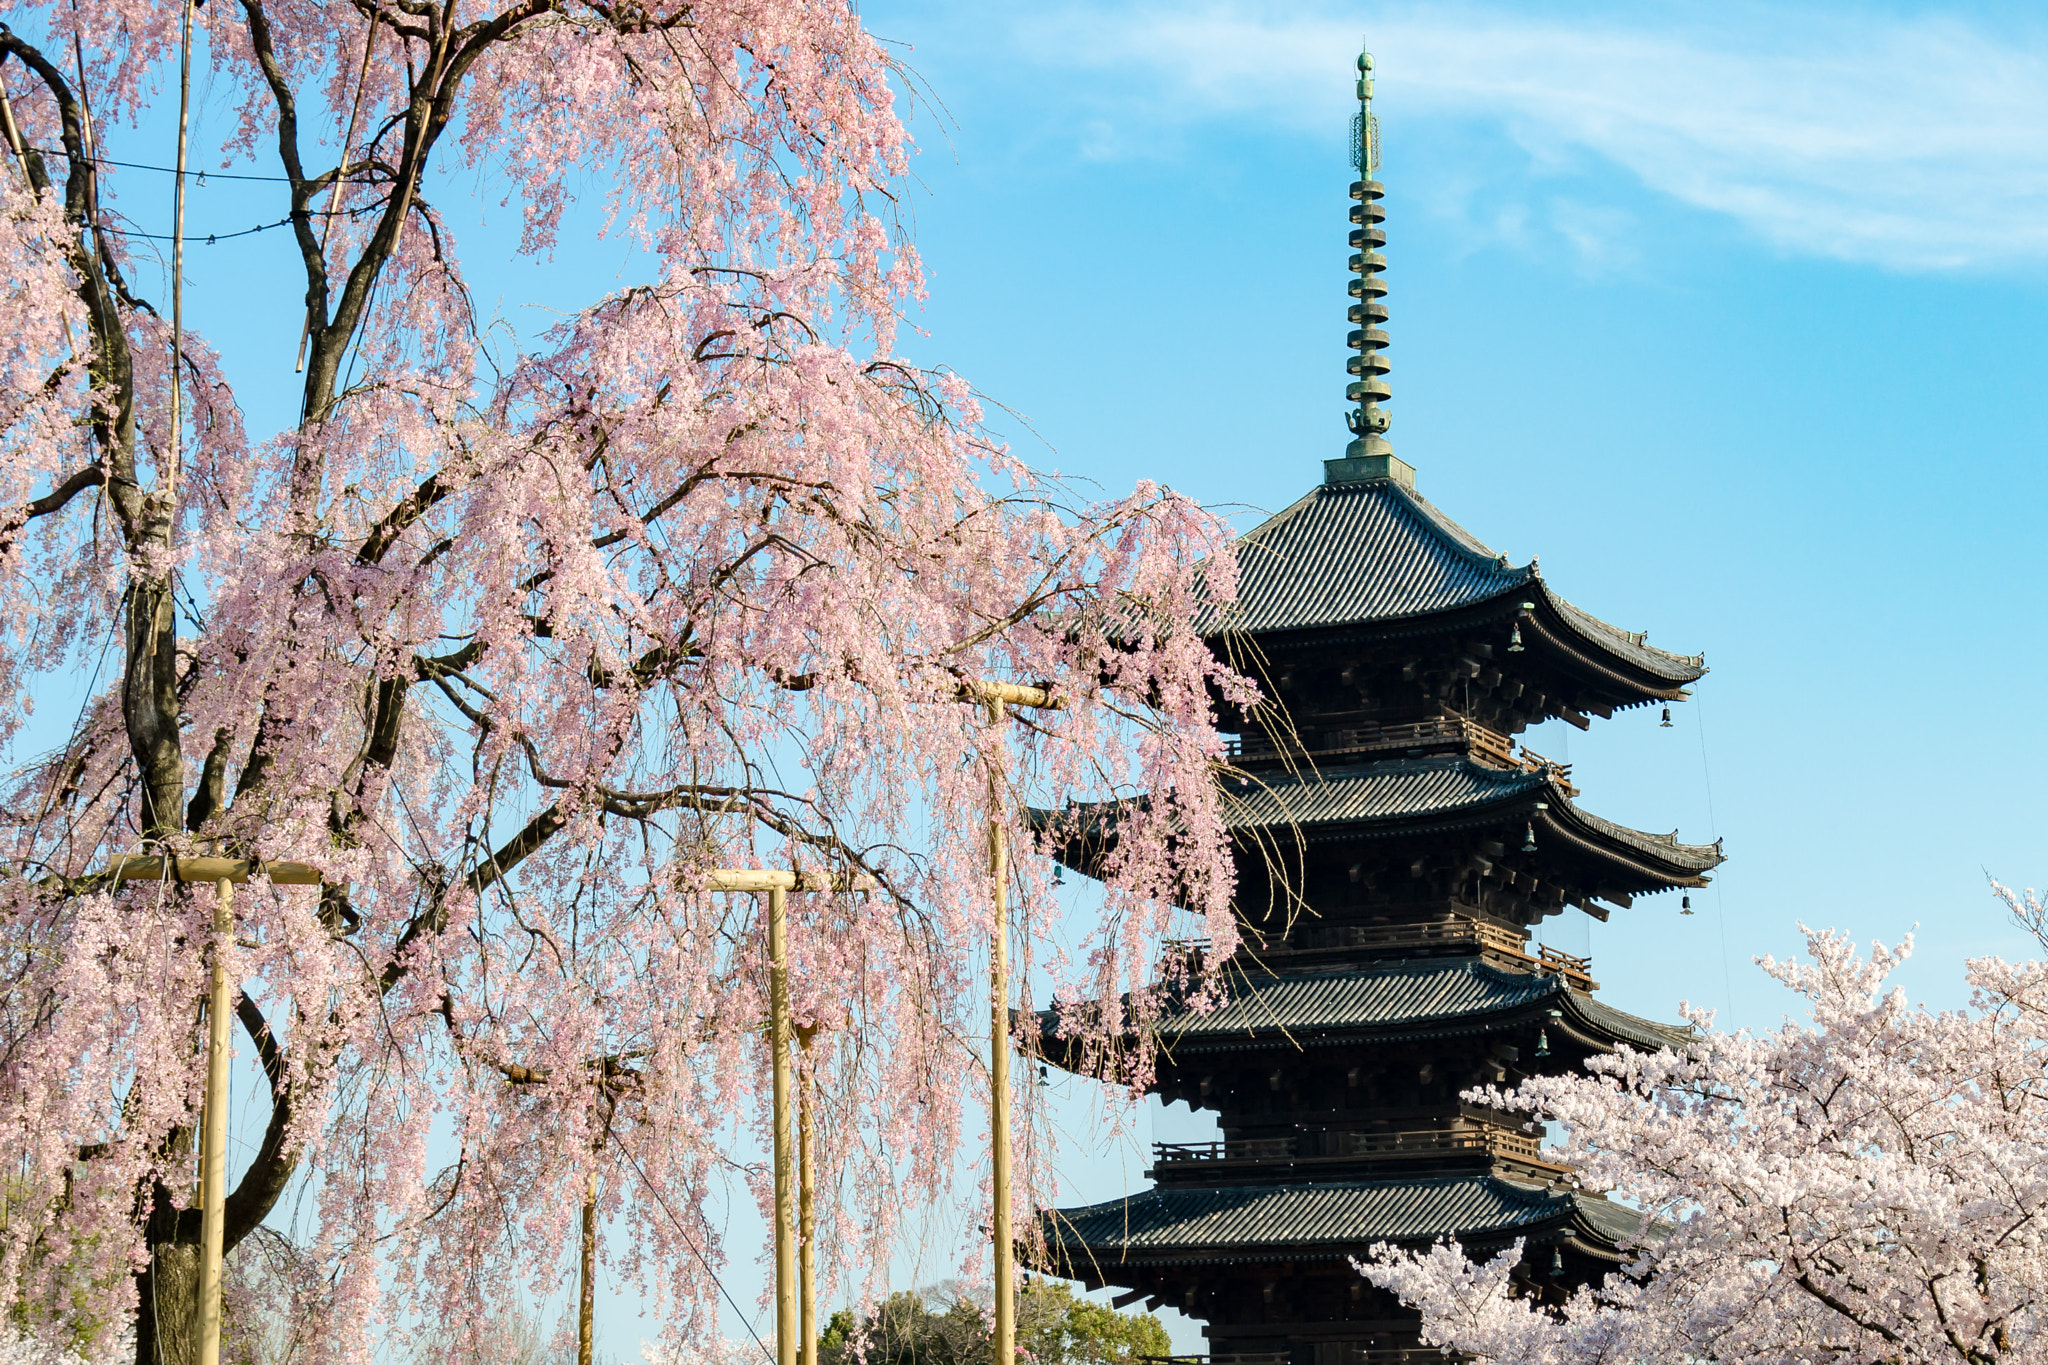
{"points": [[1369, 457]]}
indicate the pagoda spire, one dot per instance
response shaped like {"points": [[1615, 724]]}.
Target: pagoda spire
{"points": [[1369, 455]]}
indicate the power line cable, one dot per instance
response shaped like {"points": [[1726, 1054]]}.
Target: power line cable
{"points": [[1714, 825], [690, 1242], [167, 170]]}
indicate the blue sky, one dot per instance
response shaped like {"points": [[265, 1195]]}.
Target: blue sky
{"points": [[1732, 313], [1731, 316]]}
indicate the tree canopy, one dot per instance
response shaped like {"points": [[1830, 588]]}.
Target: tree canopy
{"points": [[513, 643], [1872, 1186], [946, 1326]]}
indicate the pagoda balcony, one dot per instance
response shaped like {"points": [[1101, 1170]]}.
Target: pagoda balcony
{"points": [[1181, 1162], [1449, 935], [1412, 739], [1456, 933]]}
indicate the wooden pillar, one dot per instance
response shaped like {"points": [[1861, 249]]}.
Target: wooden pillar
{"points": [[586, 1304], [1005, 1344], [786, 1327], [213, 1128], [806, 1224]]}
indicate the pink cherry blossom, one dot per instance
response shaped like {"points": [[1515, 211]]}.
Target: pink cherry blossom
{"points": [[513, 647], [1871, 1186]]}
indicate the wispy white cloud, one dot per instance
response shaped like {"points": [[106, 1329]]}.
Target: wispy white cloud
{"points": [[1915, 143]]}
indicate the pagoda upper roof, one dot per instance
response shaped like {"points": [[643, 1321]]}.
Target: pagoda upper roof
{"points": [[1176, 1225], [1424, 997], [1449, 791], [1376, 552], [1385, 1003]]}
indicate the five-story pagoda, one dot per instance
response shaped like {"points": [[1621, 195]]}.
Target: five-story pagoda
{"points": [[1395, 847]]}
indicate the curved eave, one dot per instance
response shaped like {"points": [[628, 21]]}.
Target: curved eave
{"points": [[1377, 561], [1298, 1012], [1328, 1221], [1407, 797], [1652, 862]]}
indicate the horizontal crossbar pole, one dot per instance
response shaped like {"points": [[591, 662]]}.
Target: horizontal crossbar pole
{"points": [[130, 868], [768, 879], [1013, 694]]}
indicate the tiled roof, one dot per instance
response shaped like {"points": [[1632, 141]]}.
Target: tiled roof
{"points": [[1399, 790], [1360, 552], [1335, 1219], [1442, 787], [1426, 996], [1364, 553]]}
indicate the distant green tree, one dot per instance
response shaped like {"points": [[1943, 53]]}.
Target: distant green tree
{"points": [[942, 1325]]}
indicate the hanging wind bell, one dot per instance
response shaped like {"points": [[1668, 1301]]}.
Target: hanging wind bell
{"points": [[1685, 904], [1529, 837], [1515, 639], [1665, 724]]}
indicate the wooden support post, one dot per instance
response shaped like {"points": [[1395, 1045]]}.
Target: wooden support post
{"points": [[806, 1219], [999, 1071], [586, 1304], [995, 696], [791, 1323], [213, 1127], [168, 484], [213, 1122], [778, 1043]]}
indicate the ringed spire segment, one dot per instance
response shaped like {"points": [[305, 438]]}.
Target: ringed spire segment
{"points": [[1369, 454]]}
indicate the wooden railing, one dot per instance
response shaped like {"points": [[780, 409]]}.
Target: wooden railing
{"points": [[1497, 1141], [1578, 970], [1436, 733], [1422, 734], [1451, 931], [1343, 1145]]}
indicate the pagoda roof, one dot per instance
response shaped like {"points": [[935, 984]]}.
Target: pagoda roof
{"points": [[1176, 1225], [1450, 791], [1389, 1002], [1376, 552], [1386, 1003]]}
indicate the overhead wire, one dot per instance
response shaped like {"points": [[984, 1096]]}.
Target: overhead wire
{"points": [[691, 1243], [1714, 828], [167, 170]]}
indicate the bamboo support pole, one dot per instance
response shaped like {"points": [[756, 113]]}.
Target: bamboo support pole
{"points": [[778, 1042], [806, 1218], [213, 1128], [14, 142], [131, 868], [995, 696], [586, 1289], [177, 433], [999, 1072], [796, 1309], [213, 1122]]}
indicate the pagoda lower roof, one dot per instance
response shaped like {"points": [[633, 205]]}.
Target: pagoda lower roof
{"points": [[1377, 553], [1389, 1002], [1178, 1225]]}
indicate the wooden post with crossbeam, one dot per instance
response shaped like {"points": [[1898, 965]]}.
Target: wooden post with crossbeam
{"points": [[995, 696], [213, 1120], [795, 1302]]}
